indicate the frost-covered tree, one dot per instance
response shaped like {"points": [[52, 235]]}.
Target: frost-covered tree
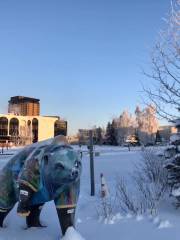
{"points": [[142, 127], [147, 124], [125, 126], [164, 92]]}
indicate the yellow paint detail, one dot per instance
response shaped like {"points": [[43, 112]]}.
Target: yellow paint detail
{"points": [[28, 185], [24, 214], [66, 206]]}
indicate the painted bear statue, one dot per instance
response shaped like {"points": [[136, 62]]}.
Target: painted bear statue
{"points": [[39, 173]]}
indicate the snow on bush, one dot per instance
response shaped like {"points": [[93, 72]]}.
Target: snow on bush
{"points": [[147, 189], [106, 209], [151, 180], [175, 138], [127, 201]]}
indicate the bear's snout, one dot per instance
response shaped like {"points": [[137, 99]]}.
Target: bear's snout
{"points": [[74, 174]]}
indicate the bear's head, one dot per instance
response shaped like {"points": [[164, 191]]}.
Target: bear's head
{"points": [[62, 164]]}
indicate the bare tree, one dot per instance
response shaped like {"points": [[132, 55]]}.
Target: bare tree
{"points": [[164, 92]]}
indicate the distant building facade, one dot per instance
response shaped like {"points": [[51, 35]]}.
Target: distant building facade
{"points": [[24, 106], [83, 135], [98, 136], [23, 130], [166, 132], [176, 124], [73, 139]]}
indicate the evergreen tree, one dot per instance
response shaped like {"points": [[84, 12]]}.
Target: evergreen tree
{"points": [[99, 135], [158, 137], [111, 134], [137, 138], [108, 134], [172, 164]]}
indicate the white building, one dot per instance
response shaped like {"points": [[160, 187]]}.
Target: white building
{"points": [[29, 129]]}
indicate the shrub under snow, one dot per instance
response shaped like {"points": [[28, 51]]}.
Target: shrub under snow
{"points": [[147, 189]]}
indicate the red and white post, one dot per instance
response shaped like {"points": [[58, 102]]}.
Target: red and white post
{"points": [[104, 187]]}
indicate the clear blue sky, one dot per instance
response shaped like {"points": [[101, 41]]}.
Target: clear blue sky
{"points": [[82, 58]]}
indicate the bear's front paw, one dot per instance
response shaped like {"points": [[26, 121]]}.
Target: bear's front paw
{"points": [[22, 210]]}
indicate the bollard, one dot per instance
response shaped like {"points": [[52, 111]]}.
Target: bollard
{"points": [[104, 187]]}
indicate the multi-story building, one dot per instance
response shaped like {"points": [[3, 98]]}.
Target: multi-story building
{"points": [[24, 106], [23, 124]]}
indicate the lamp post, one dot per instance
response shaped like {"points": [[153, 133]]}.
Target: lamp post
{"points": [[91, 153]]}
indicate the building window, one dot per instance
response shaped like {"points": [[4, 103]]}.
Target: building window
{"points": [[14, 127], [3, 126], [35, 130], [29, 123]]}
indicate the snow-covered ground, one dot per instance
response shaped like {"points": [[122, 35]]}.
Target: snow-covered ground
{"points": [[112, 161]]}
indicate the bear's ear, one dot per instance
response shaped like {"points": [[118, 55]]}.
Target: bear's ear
{"points": [[46, 159]]}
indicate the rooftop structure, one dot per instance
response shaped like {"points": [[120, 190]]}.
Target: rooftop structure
{"points": [[24, 106]]}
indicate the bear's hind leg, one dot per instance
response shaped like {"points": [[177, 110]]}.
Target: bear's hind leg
{"points": [[3, 214], [66, 218], [33, 220]]}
